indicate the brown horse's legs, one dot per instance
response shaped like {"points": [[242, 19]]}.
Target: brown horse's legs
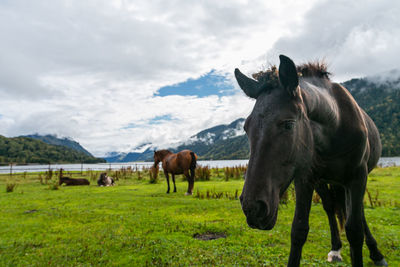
{"points": [[192, 174], [167, 176], [173, 180], [190, 182]]}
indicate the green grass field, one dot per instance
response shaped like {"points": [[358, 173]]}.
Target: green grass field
{"points": [[136, 223]]}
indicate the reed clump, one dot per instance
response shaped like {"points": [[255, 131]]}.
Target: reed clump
{"points": [[10, 187], [235, 172], [203, 173], [212, 194]]}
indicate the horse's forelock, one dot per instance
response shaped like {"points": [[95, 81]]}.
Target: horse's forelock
{"points": [[318, 69]]}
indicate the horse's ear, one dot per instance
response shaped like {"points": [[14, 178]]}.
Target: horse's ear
{"points": [[250, 87], [288, 74]]}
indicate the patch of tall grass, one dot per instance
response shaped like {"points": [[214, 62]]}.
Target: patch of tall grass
{"points": [[10, 187]]}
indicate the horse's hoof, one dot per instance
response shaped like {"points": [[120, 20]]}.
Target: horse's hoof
{"points": [[334, 256], [188, 194], [167, 192], [382, 262]]}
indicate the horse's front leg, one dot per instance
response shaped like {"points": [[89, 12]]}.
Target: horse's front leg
{"points": [[354, 225], [300, 227], [329, 207], [167, 177]]}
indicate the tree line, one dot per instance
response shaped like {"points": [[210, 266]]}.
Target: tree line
{"points": [[23, 150]]}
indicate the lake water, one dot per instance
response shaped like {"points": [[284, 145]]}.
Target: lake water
{"points": [[107, 166], [383, 162]]}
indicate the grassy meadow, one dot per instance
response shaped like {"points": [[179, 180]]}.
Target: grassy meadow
{"points": [[135, 223]]}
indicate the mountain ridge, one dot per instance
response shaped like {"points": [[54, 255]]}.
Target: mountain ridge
{"points": [[65, 141], [25, 150]]}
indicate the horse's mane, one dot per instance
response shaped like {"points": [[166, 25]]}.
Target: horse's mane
{"points": [[270, 76], [163, 151]]}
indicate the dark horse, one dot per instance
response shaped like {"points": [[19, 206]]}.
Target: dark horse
{"points": [[105, 180], [69, 181], [179, 163], [307, 129]]}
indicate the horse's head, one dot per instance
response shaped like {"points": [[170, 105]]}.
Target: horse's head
{"points": [[160, 155], [280, 141], [157, 158]]}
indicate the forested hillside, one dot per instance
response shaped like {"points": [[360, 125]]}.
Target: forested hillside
{"points": [[382, 103], [23, 150], [54, 140]]}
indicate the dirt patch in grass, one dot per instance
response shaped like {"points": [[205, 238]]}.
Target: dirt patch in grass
{"points": [[31, 211], [209, 236]]}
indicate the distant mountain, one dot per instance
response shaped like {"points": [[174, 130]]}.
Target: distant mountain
{"points": [[143, 152], [114, 157], [219, 142], [23, 150], [54, 140], [378, 95]]}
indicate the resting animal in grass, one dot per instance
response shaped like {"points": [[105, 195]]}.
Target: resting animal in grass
{"points": [[105, 180], [69, 181]]}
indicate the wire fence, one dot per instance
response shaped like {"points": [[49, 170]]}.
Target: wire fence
{"points": [[12, 168]]}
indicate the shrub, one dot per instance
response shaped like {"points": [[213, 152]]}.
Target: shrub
{"points": [[203, 173], [10, 187], [54, 185]]}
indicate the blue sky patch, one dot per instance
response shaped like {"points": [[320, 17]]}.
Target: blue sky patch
{"points": [[129, 126], [159, 119], [152, 121], [208, 84]]}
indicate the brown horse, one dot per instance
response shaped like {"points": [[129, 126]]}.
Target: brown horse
{"points": [[307, 129], [177, 163], [69, 181]]}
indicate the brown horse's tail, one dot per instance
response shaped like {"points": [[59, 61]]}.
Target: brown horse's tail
{"points": [[194, 161], [339, 198]]}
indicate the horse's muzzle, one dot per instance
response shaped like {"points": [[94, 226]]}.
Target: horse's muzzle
{"points": [[258, 214]]}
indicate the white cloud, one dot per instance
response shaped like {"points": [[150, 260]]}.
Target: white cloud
{"points": [[89, 69], [356, 38]]}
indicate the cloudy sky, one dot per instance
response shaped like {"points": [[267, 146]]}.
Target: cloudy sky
{"points": [[115, 74]]}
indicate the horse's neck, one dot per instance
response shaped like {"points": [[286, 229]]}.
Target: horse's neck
{"points": [[321, 105]]}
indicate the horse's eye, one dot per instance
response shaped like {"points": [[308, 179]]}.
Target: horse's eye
{"points": [[289, 125]]}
